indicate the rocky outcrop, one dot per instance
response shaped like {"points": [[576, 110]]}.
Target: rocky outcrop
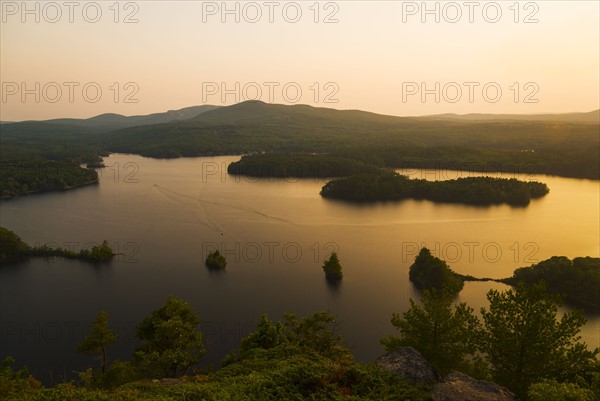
{"points": [[410, 364], [460, 387]]}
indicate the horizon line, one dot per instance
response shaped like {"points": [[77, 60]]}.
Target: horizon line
{"points": [[308, 105]]}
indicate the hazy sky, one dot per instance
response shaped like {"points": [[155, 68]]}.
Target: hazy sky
{"points": [[480, 56]]}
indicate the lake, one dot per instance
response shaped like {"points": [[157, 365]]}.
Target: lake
{"points": [[164, 216]]}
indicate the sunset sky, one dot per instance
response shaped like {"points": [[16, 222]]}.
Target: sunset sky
{"points": [[375, 57]]}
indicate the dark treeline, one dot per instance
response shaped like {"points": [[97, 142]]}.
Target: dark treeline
{"points": [[14, 250], [549, 159], [388, 186], [283, 165], [22, 177], [39, 157]]}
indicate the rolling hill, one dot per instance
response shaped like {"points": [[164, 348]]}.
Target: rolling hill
{"points": [[102, 123], [592, 117]]}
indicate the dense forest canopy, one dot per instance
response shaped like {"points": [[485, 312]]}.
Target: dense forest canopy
{"points": [[298, 165]]}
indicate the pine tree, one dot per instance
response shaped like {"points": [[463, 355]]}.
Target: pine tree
{"points": [[444, 335], [332, 267], [100, 336], [526, 343]]}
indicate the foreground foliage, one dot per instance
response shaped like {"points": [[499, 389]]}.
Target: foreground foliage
{"points": [[525, 341], [296, 359], [446, 336], [171, 340], [520, 343], [551, 390]]}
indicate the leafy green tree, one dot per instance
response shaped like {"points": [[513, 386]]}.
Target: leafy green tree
{"points": [[171, 339], [332, 267], [430, 272], [100, 336], [444, 335], [525, 341]]}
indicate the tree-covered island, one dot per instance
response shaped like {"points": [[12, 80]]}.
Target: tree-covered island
{"points": [[13, 250], [214, 260], [391, 186]]}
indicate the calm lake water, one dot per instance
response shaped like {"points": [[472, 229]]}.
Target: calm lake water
{"points": [[164, 216]]}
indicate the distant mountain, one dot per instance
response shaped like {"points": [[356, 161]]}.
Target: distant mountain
{"points": [[253, 126], [585, 118], [115, 121], [104, 122], [256, 112]]}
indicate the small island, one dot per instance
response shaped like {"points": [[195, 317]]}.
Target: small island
{"points": [[214, 260], [333, 268], [298, 165], [391, 186], [14, 250], [430, 272]]}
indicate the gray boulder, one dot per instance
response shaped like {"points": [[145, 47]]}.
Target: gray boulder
{"points": [[410, 364], [460, 387]]}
